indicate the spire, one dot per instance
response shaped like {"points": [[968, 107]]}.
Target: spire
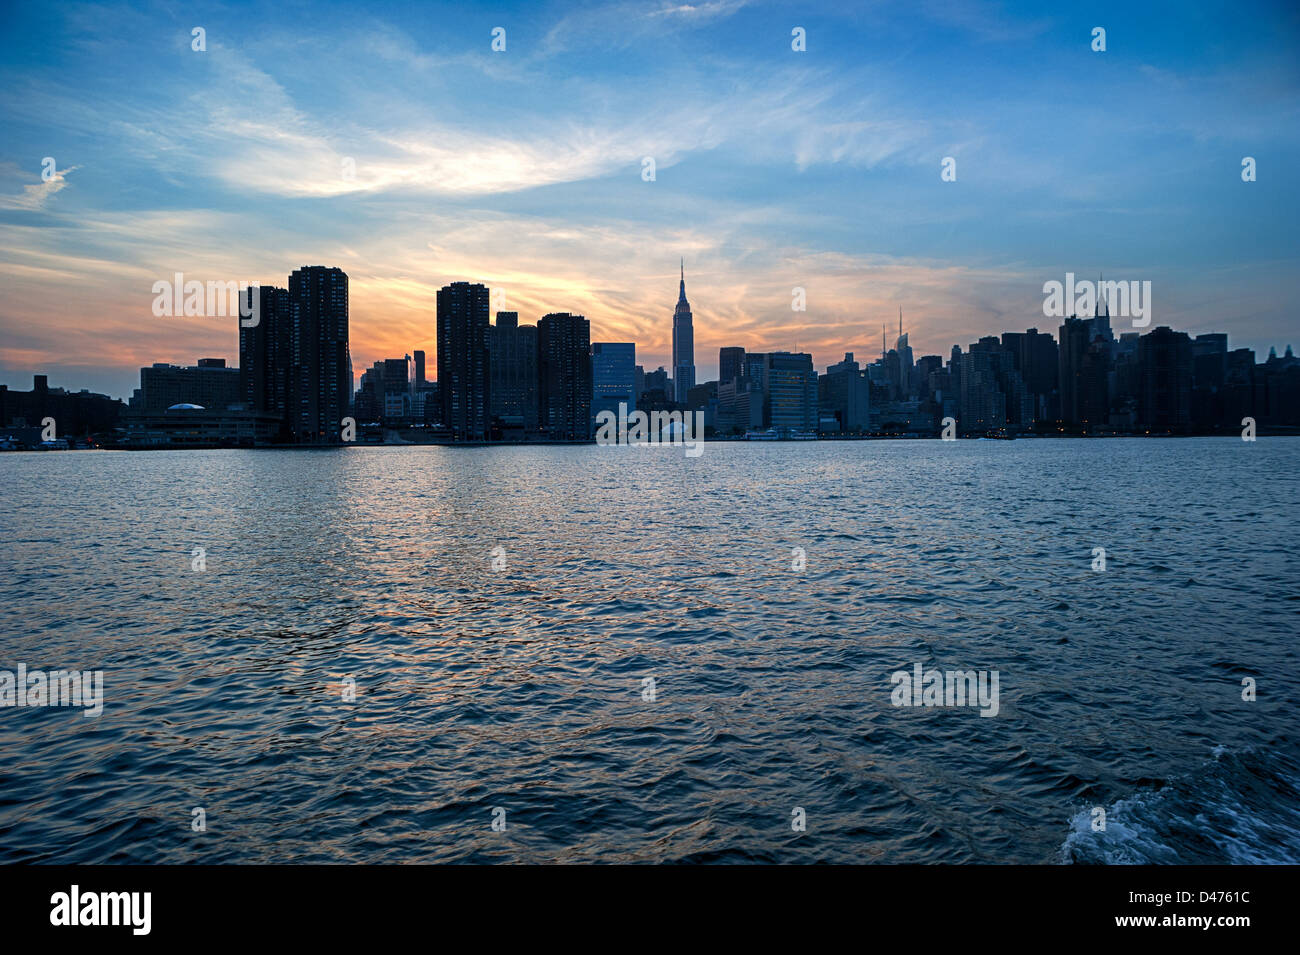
{"points": [[681, 294], [900, 323]]}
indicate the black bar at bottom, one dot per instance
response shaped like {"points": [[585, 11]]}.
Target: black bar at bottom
{"points": [[336, 904]]}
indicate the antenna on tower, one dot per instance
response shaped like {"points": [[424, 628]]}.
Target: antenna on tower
{"points": [[900, 323]]}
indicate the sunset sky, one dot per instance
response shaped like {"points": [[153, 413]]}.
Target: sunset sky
{"points": [[523, 169]]}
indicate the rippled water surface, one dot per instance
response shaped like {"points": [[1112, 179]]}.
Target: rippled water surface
{"points": [[523, 688]]}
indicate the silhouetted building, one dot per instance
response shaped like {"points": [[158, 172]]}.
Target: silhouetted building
{"points": [[513, 362], [368, 405], [704, 397], [731, 364], [163, 385], [75, 414], [464, 373], [420, 380], [192, 426], [902, 371], [1018, 402], [1209, 375], [982, 403], [1165, 400], [1034, 356], [1280, 406], [683, 344], [657, 380], [844, 395], [432, 404], [740, 406], [1084, 362], [564, 376], [1125, 383], [396, 407], [320, 388], [265, 353]]}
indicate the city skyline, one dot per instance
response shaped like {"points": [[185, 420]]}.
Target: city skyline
{"points": [[490, 317], [436, 158], [501, 380]]}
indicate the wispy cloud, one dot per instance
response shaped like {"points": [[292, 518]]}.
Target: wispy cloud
{"points": [[35, 195], [628, 22]]}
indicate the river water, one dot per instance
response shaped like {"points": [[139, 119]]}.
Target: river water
{"points": [[632, 655]]}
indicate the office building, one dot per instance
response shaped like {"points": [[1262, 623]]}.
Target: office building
{"points": [[208, 383], [613, 376], [464, 372], [320, 388], [683, 345], [513, 366], [564, 376]]}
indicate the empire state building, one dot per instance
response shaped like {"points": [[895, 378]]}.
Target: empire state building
{"points": [[683, 345]]}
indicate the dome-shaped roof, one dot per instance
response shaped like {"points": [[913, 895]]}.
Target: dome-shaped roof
{"points": [[185, 406]]}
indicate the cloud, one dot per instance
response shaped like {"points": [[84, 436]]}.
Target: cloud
{"points": [[35, 195], [243, 129], [624, 24]]}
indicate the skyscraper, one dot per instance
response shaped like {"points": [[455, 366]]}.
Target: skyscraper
{"points": [[1034, 354], [731, 364], [980, 397], [1084, 363], [464, 376], [264, 352], [397, 389], [419, 370], [513, 362], [320, 389], [904, 370], [1209, 373], [564, 376], [844, 393], [789, 391], [1165, 396], [683, 345], [613, 377]]}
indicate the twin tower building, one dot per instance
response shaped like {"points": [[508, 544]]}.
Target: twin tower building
{"points": [[531, 380]]}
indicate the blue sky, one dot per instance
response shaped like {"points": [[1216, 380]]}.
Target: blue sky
{"points": [[774, 169]]}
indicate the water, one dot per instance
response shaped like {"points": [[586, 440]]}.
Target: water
{"points": [[522, 689]]}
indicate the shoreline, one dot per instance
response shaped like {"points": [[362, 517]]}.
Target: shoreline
{"points": [[592, 442]]}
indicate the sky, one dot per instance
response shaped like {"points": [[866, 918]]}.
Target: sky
{"points": [[524, 168]]}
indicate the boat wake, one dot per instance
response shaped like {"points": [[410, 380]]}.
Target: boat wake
{"points": [[1236, 809]]}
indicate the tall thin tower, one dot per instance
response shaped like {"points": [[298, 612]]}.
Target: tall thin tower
{"points": [[683, 344]]}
